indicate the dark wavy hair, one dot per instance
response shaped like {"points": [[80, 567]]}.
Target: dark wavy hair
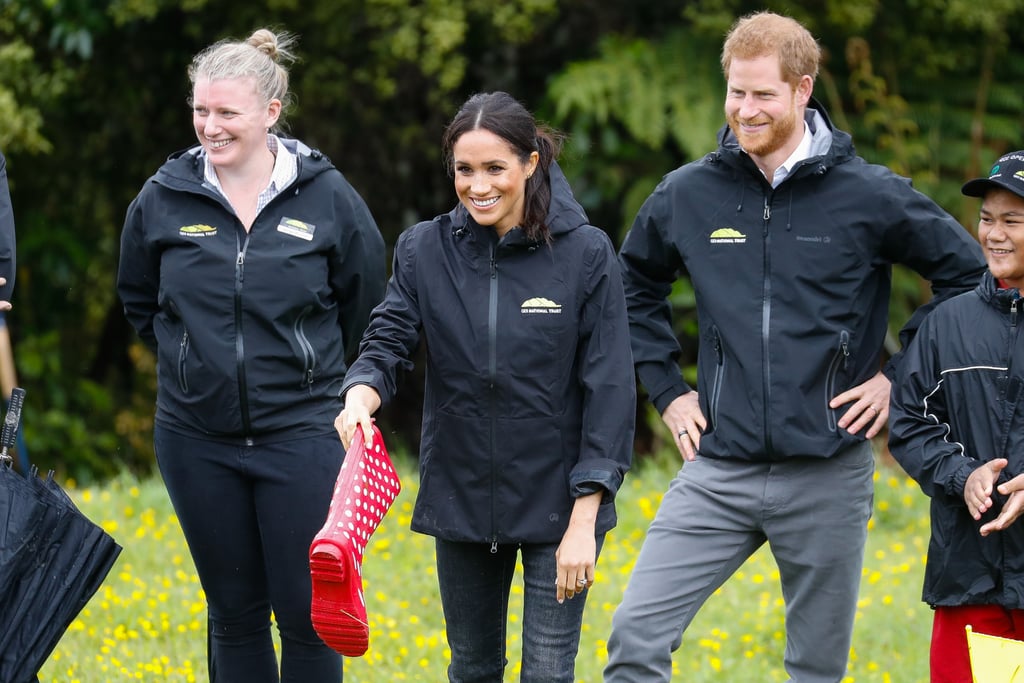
{"points": [[506, 117]]}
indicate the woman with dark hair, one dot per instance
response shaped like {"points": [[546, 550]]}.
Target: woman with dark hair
{"points": [[529, 401]]}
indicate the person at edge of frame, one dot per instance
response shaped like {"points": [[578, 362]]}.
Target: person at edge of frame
{"points": [[8, 249], [957, 427]]}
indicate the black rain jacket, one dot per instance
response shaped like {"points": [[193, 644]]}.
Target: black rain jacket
{"points": [[957, 405], [530, 398], [792, 287], [250, 329]]}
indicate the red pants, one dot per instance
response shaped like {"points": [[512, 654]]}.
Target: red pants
{"points": [[950, 660]]}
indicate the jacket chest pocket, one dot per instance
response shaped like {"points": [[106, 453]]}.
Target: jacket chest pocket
{"points": [[542, 330]]}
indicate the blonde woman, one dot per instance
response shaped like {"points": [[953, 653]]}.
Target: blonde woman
{"points": [[249, 266]]}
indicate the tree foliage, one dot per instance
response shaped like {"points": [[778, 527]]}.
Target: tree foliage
{"points": [[93, 98]]}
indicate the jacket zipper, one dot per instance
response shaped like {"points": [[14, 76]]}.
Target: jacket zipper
{"points": [[243, 389], [766, 315], [241, 248], [842, 355], [492, 375], [1010, 409]]}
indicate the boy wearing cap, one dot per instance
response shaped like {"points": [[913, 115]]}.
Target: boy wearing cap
{"points": [[957, 427]]}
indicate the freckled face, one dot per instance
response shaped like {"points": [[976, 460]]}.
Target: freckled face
{"points": [[230, 120], [490, 179], [1001, 233]]}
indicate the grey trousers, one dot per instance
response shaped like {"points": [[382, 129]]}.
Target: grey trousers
{"points": [[812, 512]]}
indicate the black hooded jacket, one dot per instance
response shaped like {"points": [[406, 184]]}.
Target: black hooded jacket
{"points": [[958, 404], [530, 397], [250, 329], [792, 287]]}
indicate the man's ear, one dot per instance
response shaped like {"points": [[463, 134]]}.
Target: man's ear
{"points": [[804, 88]]}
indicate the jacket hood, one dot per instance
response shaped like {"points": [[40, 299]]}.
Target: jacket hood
{"points": [[829, 146], [185, 167], [565, 214]]}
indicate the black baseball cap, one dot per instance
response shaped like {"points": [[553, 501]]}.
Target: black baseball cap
{"points": [[1006, 174]]}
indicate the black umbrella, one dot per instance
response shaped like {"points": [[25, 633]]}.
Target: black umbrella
{"points": [[52, 560]]}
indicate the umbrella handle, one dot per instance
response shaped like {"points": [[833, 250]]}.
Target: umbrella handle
{"points": [[12, 421]]}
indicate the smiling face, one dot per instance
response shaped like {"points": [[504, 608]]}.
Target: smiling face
{"points": [[1001, 233], [490, 178], [764, 111], [231, 121]]}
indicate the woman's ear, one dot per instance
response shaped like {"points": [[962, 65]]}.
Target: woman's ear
{"points": [[531, 163], [273, 113]]}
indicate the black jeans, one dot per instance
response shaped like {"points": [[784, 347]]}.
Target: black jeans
{"points": [[475, 585], [249, 514]]}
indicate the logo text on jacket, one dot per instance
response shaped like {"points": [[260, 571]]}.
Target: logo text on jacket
{"points": [[197, 231], [539, 305], [727, 236]]}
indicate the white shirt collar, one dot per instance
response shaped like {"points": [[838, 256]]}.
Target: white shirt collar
{"points": [[802, 151], [285, 168]]}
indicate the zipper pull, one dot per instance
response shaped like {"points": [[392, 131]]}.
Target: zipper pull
{"points": [[494, 548], [1013, 311]]}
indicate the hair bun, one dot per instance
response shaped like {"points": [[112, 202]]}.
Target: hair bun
{"points": [[265, 41]]}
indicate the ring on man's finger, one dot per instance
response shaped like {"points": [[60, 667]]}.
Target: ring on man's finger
{"points": [[682, 433]]}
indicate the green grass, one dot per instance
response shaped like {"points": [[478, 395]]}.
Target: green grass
{"points": [[148, 621]]}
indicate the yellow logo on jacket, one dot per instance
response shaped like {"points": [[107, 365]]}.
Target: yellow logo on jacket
{"points": [[540, 305], [727, 236], [197, 231]]}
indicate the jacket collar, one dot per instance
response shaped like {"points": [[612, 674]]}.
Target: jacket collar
{"points": [[184, 168], [988, 290], [829, 145]]}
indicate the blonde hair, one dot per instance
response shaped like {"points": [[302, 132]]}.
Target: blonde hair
{"points": [[765, 34], [259, 57]]}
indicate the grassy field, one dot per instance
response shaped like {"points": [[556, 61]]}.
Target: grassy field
{"points": [[148, 621]]}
